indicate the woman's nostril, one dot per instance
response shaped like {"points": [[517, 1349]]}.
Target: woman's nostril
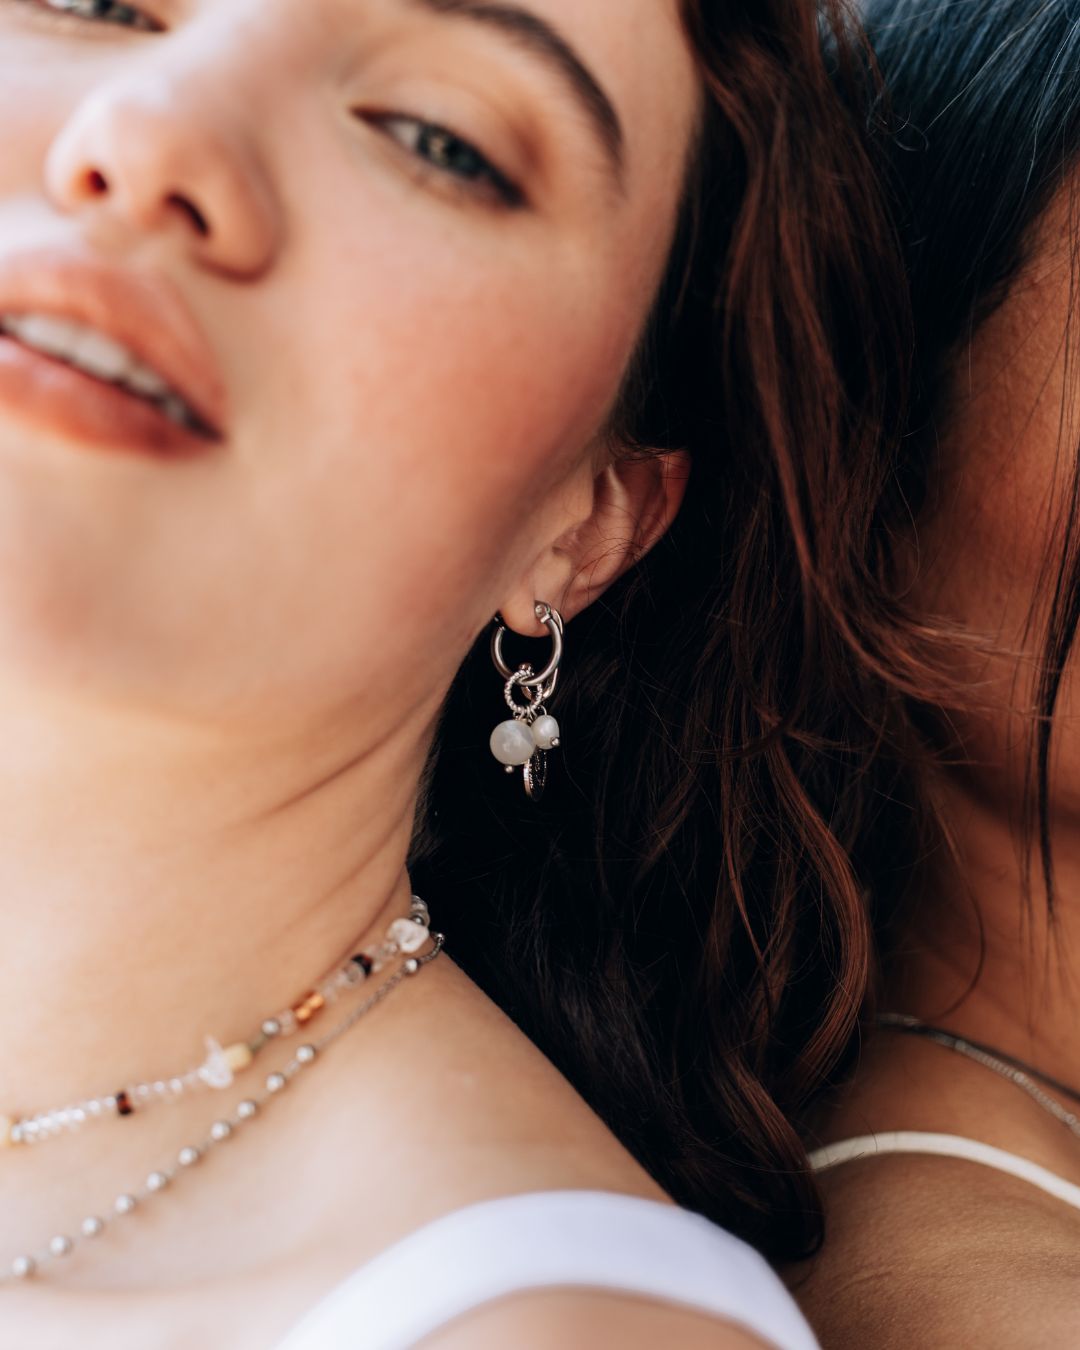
{"points": [[194, 215], [96, 182]]}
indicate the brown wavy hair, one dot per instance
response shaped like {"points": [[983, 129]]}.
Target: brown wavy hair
{"points": [[675, 925]]}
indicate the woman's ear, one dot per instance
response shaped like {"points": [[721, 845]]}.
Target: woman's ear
{"points": [[620, 514]]}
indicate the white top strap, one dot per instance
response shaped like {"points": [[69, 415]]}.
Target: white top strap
{"points": [[561, 1239], [946, 1146]]}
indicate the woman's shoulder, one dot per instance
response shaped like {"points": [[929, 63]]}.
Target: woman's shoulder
{"points": [[930, 1251], [551, 1268], [562, 1318]]}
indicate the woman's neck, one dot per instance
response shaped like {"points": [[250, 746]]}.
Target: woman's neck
{"points": [[159, 885], [981, 953]]}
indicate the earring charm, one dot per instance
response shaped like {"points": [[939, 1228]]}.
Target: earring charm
{"points": [[524, 740]]}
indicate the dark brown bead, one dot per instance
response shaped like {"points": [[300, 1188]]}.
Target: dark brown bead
{"points": [[123, 1104], [364, 961]]}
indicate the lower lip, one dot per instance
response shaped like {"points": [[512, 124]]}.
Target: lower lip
{"points": [[54, 397]]}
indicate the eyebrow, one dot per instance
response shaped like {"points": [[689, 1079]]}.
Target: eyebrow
{"points": [[538, 37]]}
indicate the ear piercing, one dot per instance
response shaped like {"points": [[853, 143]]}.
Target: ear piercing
{"points": [[525, 739]]}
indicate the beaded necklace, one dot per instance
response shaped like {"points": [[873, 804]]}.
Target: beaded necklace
{"points": [[221, 1063], [404, 938]]}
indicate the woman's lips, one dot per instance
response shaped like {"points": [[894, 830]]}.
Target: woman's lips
{"points": [[55, 397]]}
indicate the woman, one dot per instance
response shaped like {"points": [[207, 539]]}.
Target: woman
{"points": [[329, 330], [950, 1162]]}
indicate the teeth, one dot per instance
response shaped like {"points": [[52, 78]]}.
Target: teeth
{"points": [[95, 354]]}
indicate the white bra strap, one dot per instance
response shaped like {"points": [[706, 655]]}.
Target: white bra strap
{"points": [[543, 1240], [946, 1146]]}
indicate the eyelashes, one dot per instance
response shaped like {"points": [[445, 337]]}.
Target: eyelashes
{"points": [[442, 152], [102, 11]]}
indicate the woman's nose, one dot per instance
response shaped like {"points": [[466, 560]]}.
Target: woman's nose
{"points": [[157, 158]]}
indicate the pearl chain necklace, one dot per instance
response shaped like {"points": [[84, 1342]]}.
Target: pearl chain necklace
{"points": [[221, 1063], [25, 1266]]}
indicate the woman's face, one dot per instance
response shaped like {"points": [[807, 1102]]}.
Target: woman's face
{"points": [[993, 536], [419, 240]]}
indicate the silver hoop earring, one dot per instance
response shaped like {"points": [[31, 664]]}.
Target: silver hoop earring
{"points": [[525, 739]]}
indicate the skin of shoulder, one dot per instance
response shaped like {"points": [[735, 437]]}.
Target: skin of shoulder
{"points": [[557, 1320], [926, 1253]]}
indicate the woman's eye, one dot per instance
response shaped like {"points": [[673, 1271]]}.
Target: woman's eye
{"points": [[102, 11], [445, 153]]}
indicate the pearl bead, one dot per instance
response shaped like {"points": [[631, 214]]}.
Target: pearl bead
{"points": [[271, 1027], [412, 965], [545, 732], [157, 1181], [23, 1267], [305, 1054], [275, 1082], [221, 1129], [92, 1226], [188, 1157], [247, 1108], [512, 743], [60, 1245], [124, 1204]]}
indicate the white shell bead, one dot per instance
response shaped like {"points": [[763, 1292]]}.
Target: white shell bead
{"points": [[512, 743], [409, 935], [545, 732]]}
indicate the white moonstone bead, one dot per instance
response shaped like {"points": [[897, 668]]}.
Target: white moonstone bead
{"points": [[545, 731], [512, 743], [409, 935]]}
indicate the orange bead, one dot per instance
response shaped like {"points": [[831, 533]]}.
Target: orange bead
{"points": [[306, 1009]]}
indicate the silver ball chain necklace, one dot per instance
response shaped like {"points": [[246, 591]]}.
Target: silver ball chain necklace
{"points": [[1013, 1070], [404, 940]]}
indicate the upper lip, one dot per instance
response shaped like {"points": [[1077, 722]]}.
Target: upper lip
{"points": [[143, 312]]}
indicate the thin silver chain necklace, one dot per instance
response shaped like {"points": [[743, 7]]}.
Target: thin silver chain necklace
{"points": [[1013, 1070]]}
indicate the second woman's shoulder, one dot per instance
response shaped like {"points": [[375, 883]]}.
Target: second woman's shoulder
{"points": [[925, 1252]]}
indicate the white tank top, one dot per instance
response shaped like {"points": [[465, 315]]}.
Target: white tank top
{"points": [[946, 1146], [555, 1239]]}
